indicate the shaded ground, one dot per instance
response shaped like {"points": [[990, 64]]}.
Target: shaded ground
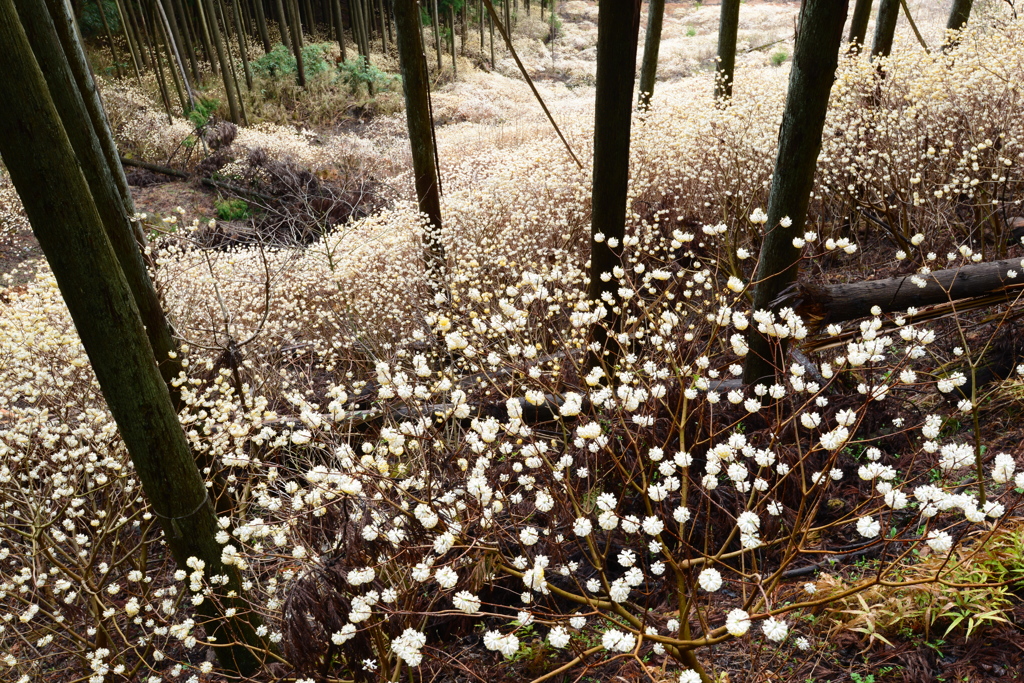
{"points": [[20, 249]]}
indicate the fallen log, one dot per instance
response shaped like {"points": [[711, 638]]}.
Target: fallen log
{"points": [[209, 182], [820, 306]]}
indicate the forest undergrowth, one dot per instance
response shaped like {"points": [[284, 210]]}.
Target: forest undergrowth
{"points": [[435, 484]]}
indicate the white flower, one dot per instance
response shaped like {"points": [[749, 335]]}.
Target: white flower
{"points": [[618, 591], [446, 577], [653, 526], [775, 629], [1002, 469], [868, 527], [689, 676], [617, 641], [940, 542], [506, 645], [344, 635], [737, 622], [466, 602], [529, 535], [582, 527], [710, 580], [407, 646], [748, 523], [558, 637], [578, 622]]}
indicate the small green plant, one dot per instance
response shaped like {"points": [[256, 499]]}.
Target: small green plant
{"points": [[357, 71], [859, 678], [281, 61], [203, 110], [779, 57], [233, 209], [691, 31]]}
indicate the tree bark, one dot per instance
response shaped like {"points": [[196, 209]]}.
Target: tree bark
{"points": [[728, 28], [416, 84], [296, 26], [959, 14], [618, 28], [110, 38], [885, 27], [652, 44], [261, 26], [242, 49], [859, 24], [52, 35], [339, 28], [282, 24], [222, 57], [815, 58], [39, 156]]}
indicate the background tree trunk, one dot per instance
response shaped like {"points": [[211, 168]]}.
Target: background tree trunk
{"points": [[618, 28], [296, 26], [728, 28], [815, 57], [959, 14], [222, 57], [415, 81], [859, 23], [885, 27], [39, 157], [652, 44]]}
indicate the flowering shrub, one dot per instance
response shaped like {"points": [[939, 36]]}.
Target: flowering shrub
{"points": [[395, 470]]}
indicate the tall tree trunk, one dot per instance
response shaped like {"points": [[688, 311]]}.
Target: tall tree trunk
{"points": [[39, 157], [140, 41], [242, 49], [451, 30], [60, 57], [261, 26], [885, 27], [179, 34], [296, 26], [416, 84], [649, 68], [815, 57], [618, 29], [436, 21], [958, 17], [205, 33], [959, 14], [110, 38], [158, 65], [223, 58], [173, 65], [339, 28], [231, 61], [174, 52], [282, 24], [131, 40], [728, 29], [859, 24]]}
